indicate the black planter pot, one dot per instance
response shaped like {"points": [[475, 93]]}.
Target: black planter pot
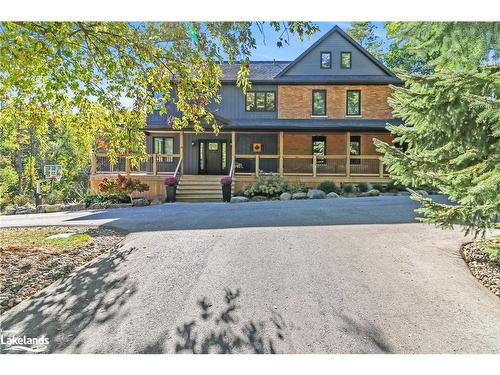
{"points": [[171, 191], [226, 193]]}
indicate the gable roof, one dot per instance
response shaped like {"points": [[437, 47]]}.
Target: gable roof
{"points": [[343, 34], [259, 70]]}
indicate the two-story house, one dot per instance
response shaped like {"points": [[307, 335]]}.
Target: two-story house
{"points": [[310, 119]]}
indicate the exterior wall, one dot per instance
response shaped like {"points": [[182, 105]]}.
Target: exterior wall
{"points": [[310, 64], [232, 104], [295, 102], [244, 142], [367, 146], [301, 143]]}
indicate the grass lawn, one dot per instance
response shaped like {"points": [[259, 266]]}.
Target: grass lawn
{"points": [[29, 260]]}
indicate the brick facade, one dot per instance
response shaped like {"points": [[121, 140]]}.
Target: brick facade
{"points": [[295, 101]]}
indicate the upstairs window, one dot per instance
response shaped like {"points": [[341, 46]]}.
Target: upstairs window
{"points": [[326, 60], [260, 101], [319, 148], [319, 103], [353, 103], [345, 60]]}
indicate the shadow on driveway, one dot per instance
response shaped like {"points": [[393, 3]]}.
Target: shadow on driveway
{"points": [[191, 216]]}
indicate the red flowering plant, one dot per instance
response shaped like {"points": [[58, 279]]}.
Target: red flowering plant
{"points": [[170, 181], [122, 185], [226, 180]]}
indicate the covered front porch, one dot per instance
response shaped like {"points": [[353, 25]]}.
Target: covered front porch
{"points": [[308, 157]]}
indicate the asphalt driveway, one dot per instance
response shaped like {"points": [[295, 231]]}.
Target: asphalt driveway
{"points": [[330, 276]]}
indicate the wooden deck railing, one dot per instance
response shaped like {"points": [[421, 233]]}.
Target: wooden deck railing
{"points": [[285, 165], [310, 165]]}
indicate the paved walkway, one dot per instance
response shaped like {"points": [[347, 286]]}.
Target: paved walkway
{"points": [[336, 276]]}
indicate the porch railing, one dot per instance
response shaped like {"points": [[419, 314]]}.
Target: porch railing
{"points": [[285, 165], [310, 165]]}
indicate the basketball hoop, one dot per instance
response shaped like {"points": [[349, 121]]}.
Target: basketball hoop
{"points": [[53, 172]]}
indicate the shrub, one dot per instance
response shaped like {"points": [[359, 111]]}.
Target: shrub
{"points": [[328, 187], [21, 200], [297, 187], [492, 248], [54, 197], [379, 187], [364, 187], [394, 186], [268, 186], [106, 198], [348, 188], [122, 184], [170, 181], [226, 180]]}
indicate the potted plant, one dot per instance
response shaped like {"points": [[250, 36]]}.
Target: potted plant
{"points": [[226, 182], [171, 188]]}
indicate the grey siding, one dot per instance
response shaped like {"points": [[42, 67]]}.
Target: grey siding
{"points": [[232, 105], [244, 143], [191, 153], [310, 64]]}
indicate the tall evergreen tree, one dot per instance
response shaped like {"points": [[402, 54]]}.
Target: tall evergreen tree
{"points": [[451, 123]]}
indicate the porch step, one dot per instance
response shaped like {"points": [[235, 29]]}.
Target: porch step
{"points": [[196, 188]]}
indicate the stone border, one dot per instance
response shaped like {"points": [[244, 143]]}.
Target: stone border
{"points": [[481, 267]]}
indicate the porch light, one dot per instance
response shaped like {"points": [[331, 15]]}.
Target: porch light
{"points": [[193, 143]]}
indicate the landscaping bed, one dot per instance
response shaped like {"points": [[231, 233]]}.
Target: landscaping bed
{"points": [[32, 258], [481, 265]]}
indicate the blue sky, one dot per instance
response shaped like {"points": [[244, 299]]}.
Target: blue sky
{"points": [[267, 49]]}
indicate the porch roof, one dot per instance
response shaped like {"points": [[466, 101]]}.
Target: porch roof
{"points": [[299, 124]]}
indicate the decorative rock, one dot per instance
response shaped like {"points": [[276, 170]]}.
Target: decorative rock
{"points": [[96, 206], [316, 194], [10, 211], [239, 199], [258, 198], [374, 193], [120, 205], [364, 194], [332, 195], [139, 202], [155, 202], [423, 193], [75, 206], [299, 195], [285, 196], [51, 208], [25, 210]]}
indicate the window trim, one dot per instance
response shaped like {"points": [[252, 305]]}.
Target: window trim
{"points": [[266, 92], [342, 61], [319, 138], [312, 103], [321, 60], [163, 151], [347, 103]]}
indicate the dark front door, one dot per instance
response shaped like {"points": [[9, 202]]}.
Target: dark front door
{"points": [[213, 157]]}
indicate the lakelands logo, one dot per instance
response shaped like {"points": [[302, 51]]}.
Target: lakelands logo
{"points": [[24, 343]]}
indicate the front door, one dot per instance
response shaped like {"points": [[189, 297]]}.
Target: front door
{"points": [[212, 157]]}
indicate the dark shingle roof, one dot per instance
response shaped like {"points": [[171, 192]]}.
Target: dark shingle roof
{"points": [[259, 70]]}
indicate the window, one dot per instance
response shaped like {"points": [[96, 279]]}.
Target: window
{"points": [[260, 101], [353, 104], [355, 148], [345, 60], [319, 103], [319, 148], [326, 60], [164, 145]]}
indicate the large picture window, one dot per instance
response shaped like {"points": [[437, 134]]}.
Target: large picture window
{"points": [[319, 103], [319, 148], [353, 106], [260, 101]]}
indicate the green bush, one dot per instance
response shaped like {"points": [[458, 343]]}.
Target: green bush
{"points": [[54, 197], [328, 187], [106, 198], [21, 200], [348, 188], [297, 187], [492, 248], [379, 187], [268, 186], [394, 186], [364, 187]]}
